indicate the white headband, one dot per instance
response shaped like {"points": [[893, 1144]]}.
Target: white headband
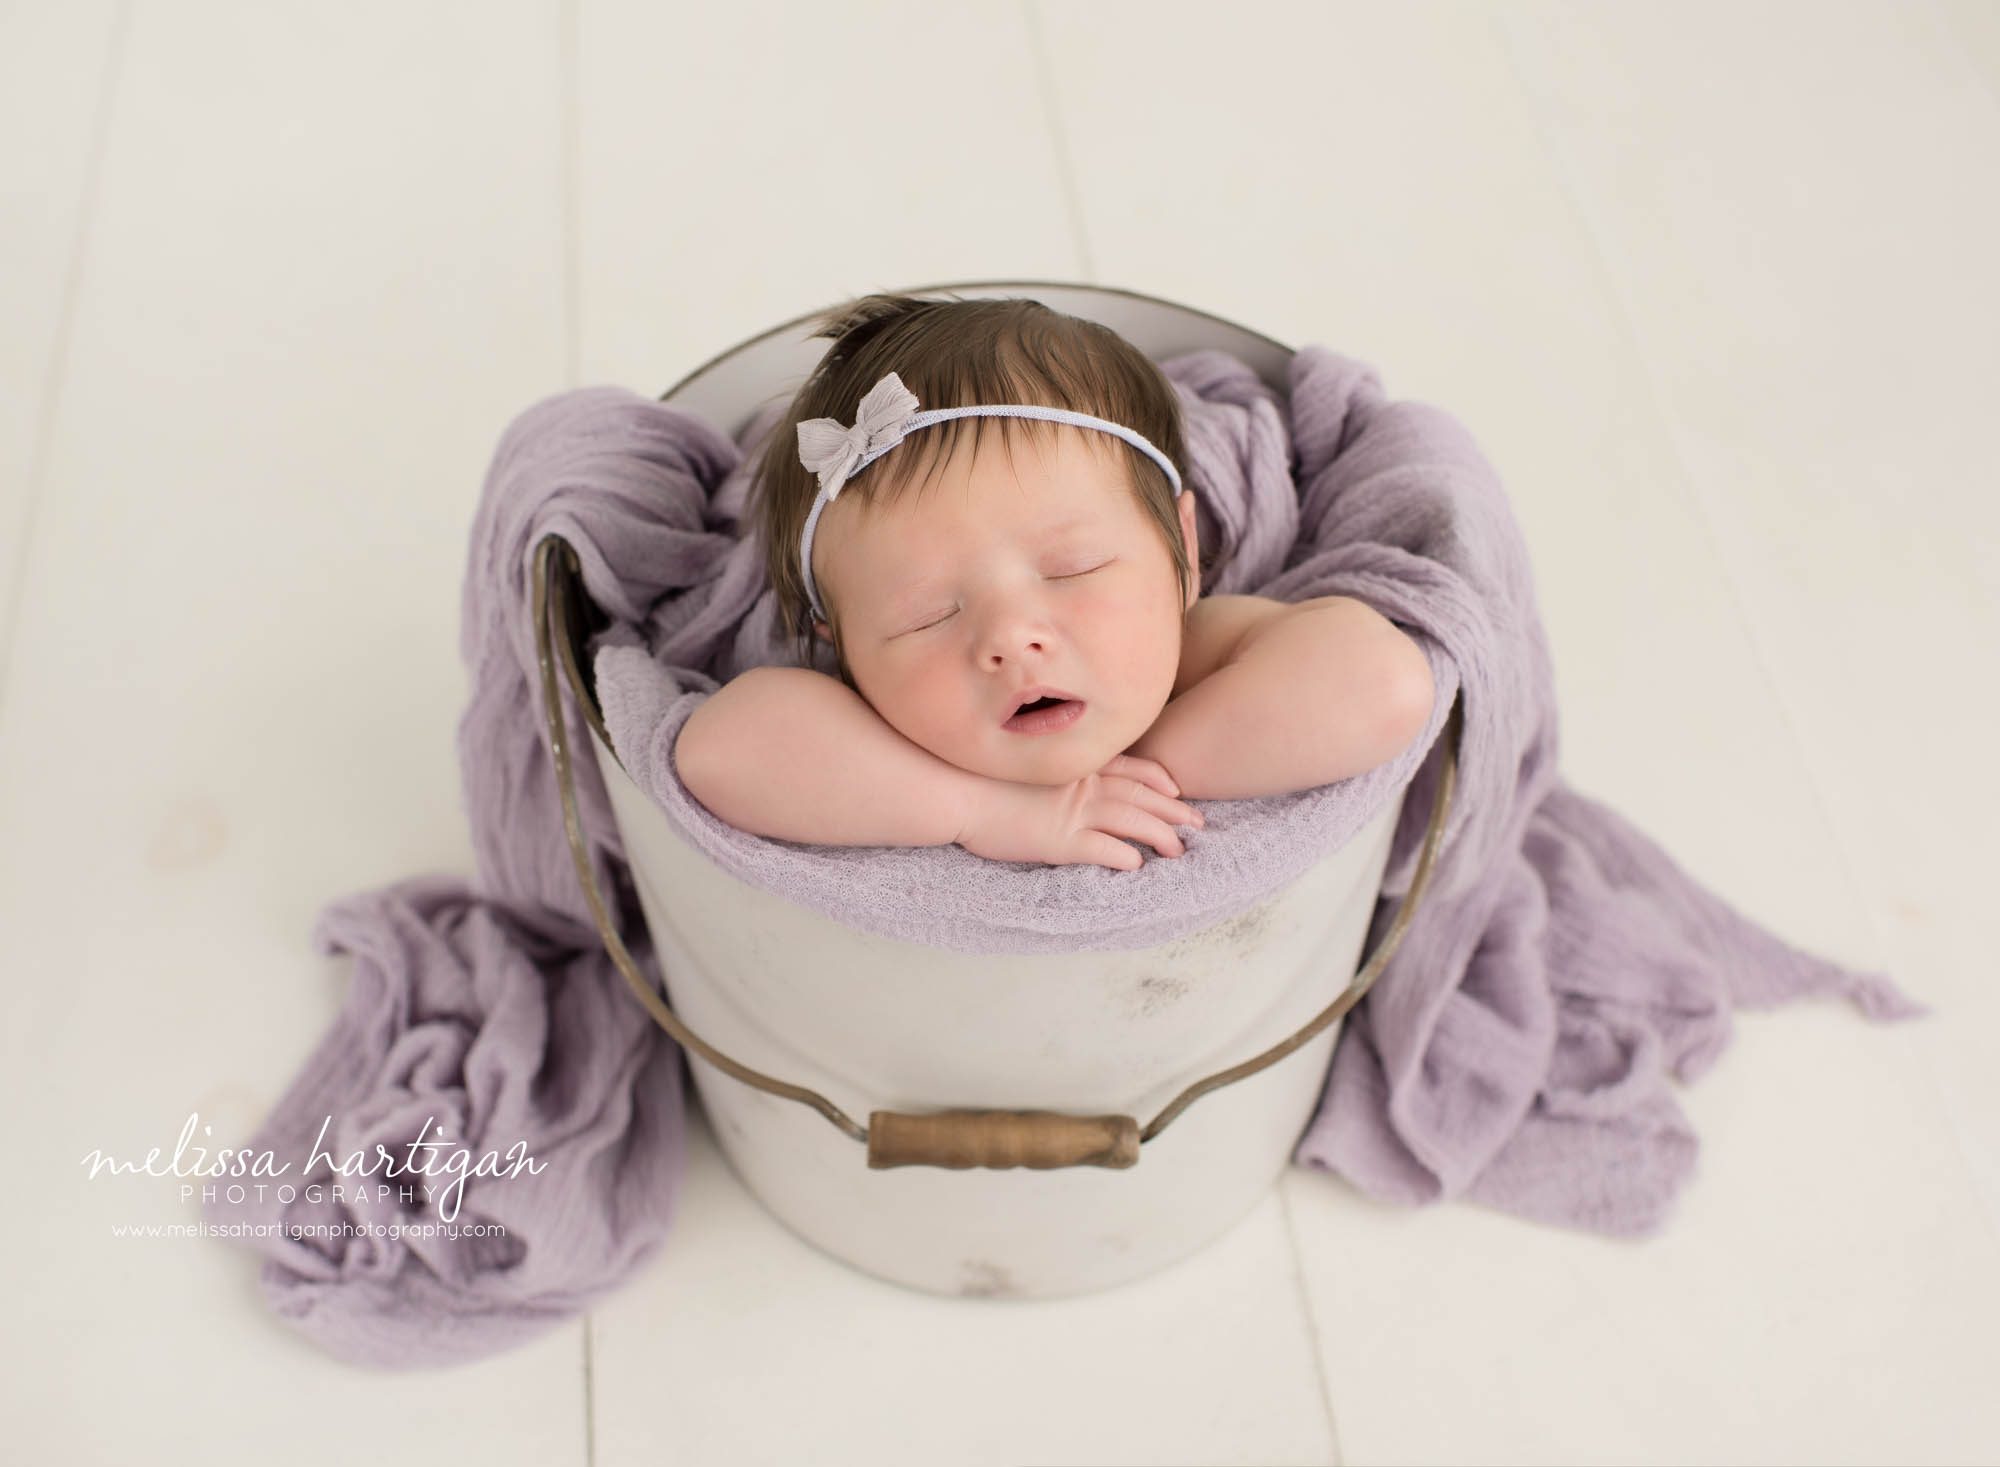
{"points": [[837, 452]]}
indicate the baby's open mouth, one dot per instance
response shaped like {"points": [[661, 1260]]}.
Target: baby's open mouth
{"points": [[1045, 715]]}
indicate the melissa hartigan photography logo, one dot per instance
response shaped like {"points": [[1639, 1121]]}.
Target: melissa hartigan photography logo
{"points": [[430, 1169]]}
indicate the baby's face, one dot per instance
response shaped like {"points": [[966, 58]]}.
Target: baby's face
{"points": [[1001, 577]]}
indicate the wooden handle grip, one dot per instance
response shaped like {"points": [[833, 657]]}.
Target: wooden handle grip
{"points": [[1000, 1139]]}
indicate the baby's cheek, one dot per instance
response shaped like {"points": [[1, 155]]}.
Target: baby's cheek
{"points": [[922, 703], [1151, 651], [1116, 619]]}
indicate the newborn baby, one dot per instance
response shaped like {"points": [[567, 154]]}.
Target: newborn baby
{"points": [[1026, 664]]}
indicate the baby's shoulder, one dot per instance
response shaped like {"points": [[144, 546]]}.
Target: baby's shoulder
{"points": [[1216, 627]]}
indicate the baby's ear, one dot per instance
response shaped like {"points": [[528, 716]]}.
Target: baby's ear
{"points": [[1191, 539]]}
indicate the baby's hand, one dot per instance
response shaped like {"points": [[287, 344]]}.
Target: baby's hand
{"points": [[1062, 825]]}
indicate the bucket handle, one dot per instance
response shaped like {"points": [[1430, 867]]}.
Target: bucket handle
{"points": [[953, 1139]]}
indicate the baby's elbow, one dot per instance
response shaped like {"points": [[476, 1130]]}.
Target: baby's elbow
{"points": [[1410, 701], [708, 750], [692, 764]]}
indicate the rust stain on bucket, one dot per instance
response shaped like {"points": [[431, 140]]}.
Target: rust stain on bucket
{"points": [[1246, 930], [979, 1279], [1157, 990], [1242, 936]]}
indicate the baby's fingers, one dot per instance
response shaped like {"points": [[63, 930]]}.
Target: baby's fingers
{"points": [[1103, 850], [1118, 818], [1146, 771], [1174, 812]]}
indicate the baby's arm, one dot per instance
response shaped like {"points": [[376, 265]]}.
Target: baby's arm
{"points": [[794, 754], [1326, 690]]}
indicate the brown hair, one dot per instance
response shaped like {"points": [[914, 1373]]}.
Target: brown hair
{"points": [[955, 352]]}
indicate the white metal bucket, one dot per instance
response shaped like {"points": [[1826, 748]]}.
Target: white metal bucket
{"points": [[874, 1024]]}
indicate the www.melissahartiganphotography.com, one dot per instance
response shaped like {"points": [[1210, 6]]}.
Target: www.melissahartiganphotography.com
{"points": [[307, 1230]]}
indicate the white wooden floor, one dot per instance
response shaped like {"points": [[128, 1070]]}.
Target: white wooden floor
{"points": [[1706, 281]]}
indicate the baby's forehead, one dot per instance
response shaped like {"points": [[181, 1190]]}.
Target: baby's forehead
{"points": [[1028, 482], [909, 526], [898, 555]]}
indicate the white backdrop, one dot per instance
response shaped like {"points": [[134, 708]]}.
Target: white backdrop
{"points": [[1711, 282]]}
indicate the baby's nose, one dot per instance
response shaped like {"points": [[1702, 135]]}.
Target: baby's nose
{"points": [[1002, 649]]}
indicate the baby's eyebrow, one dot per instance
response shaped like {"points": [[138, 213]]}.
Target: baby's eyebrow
{"points": [[1051, 531]]}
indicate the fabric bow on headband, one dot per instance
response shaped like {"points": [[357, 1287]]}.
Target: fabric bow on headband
{"points": [[831, 449]]}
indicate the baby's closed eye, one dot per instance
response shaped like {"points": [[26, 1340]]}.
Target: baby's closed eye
{"points": [[938, 617]]}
